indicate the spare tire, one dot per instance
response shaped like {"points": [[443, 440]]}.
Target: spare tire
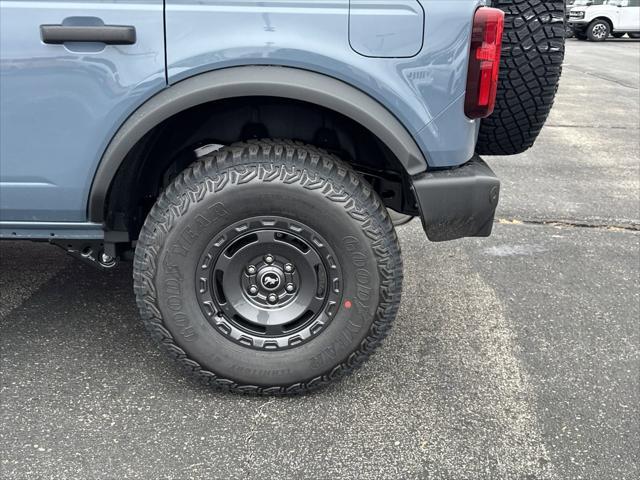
{"points": [[532, 55]]}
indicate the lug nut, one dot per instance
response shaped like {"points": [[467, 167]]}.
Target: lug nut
{"points": [[251, 270], [268, 258], [288, 268], [290, 288], [273, 298], [253, 290]]}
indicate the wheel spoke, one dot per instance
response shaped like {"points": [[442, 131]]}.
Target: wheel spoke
{"points": [[274, 330], [223, 263], [266, 236]]}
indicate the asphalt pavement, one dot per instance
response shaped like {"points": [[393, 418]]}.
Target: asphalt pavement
{"points": [[513, 357]]}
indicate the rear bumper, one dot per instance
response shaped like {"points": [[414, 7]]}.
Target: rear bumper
{"points": [[459, 202]]}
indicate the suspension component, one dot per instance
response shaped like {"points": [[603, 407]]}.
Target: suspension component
{"points": [[91, 252]]}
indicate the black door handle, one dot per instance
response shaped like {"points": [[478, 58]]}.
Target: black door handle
{"points": [[109, 34]]}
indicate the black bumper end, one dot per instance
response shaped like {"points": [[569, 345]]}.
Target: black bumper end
{"points": [[458, 203]]}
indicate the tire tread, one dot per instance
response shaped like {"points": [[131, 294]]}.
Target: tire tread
{"points": [[530, 70]]}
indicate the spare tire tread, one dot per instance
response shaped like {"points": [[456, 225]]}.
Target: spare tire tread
{"points": [[531, 65]]}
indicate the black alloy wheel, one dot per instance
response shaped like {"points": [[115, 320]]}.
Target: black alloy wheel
{"points": [[267, 287]]}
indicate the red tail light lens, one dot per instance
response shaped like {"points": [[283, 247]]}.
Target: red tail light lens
{"points": [[484, 62]]}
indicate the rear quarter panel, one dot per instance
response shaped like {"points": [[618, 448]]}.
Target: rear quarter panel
{"points": [[424, 91]]}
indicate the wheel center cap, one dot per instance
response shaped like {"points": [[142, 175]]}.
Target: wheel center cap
{"points": [[270, 278]]}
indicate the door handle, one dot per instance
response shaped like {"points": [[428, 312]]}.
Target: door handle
{"points": [[109, 34]]}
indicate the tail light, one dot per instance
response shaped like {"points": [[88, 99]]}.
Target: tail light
{"points": [[484, 62]]}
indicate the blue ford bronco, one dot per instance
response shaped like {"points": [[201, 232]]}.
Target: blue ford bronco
{"points": [[245, 156]]}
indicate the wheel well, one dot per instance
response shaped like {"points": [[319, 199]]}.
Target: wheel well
{"points": [[178, 141], [609, 22]]}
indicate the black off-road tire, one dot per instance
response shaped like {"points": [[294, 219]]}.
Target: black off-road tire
{"points": [[635, 35], [580, 35], [275, 181], [530, 69], [598, 30]]}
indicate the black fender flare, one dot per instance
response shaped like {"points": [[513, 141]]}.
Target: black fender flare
{"points": [[242, 81]]}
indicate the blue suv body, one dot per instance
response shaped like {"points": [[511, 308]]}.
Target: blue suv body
{"points": [[246, 155], [62, 104]]}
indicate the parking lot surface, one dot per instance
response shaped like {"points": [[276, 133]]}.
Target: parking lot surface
{"points": [[514, 357]]}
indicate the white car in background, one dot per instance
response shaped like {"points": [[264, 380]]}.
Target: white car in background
{"points": [[597, 19]]}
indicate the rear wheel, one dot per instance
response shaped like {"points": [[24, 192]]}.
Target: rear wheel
{"points": [[268, 267], [598, 31], [581, 35], [530, 68], [634, 35]]}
